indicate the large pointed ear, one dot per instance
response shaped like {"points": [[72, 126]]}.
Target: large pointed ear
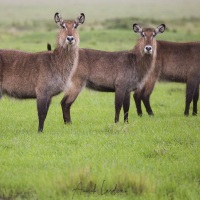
{"points": [[58, 19], [137, 28], [80, 20], [160, 29]]}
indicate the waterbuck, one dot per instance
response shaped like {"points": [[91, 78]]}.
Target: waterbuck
{"points": [[41, 75], [177, 62], [120, 72]]}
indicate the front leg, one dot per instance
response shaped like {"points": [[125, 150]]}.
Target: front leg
{"points": [[66, 109], [145, 91], [137, 100], [73, 90]]}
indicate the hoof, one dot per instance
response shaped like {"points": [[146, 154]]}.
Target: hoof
{"points": [[68, 122], [151, 114], [40, 130]]}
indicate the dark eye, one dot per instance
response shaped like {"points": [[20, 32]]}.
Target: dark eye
{"points": [[142, 34], [63, 26], [75, 25], [154, 34]]}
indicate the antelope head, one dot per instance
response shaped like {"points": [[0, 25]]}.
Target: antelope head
{"points": [[147, 40], [68, 35]]}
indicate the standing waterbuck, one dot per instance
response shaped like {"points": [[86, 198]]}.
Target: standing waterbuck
{"points": [[119, 72], [41, 75], [177, 62]]}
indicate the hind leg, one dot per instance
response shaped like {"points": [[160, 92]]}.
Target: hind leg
{"points": [[195, 100], [190, 93], [119, 98], [42, 107], [126, 105], [70, 96]]}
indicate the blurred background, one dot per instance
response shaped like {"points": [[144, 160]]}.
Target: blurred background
{"points": [[108, 24]]}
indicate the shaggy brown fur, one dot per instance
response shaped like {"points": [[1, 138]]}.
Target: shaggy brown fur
{"points": [[178, 62], [41, 75], [119, 72]]}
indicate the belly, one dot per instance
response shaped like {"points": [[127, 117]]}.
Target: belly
{"points": [[18, 87], [100, 87]]}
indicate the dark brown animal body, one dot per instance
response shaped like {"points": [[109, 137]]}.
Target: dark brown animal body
{"points": [[119, 72], [41, 75], [178, 62]]}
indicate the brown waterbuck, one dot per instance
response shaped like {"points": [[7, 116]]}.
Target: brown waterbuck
{"points": [[177, 62], [120, 72], [41, 75]]}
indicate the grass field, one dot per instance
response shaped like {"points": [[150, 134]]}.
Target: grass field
{"points": [[93, 158], [150, 158]]}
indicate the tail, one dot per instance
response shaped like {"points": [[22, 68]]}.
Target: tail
{"points": [[48, 47]]}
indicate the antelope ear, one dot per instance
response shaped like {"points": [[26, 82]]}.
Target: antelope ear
{"points": [[80, 20], [160, 29], [58, 19], [137, 28]]}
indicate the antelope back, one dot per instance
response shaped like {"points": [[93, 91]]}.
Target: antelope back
{"points": [[68, 35]]}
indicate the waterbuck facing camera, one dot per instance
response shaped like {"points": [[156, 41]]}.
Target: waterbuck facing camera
{"points": [[120, 72], [67, 36], [41, 75], [177, 62], [148, 35]]}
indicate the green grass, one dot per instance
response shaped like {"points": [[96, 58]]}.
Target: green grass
{"points": [[150, 158]]}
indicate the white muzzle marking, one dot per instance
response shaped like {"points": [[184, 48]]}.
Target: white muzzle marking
{"points": [[70, 40], [148, 49]]}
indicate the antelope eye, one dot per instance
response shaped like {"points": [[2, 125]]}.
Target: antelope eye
{"points": [[63, 26], [75, 25], [142, 34], [154, 34]]}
